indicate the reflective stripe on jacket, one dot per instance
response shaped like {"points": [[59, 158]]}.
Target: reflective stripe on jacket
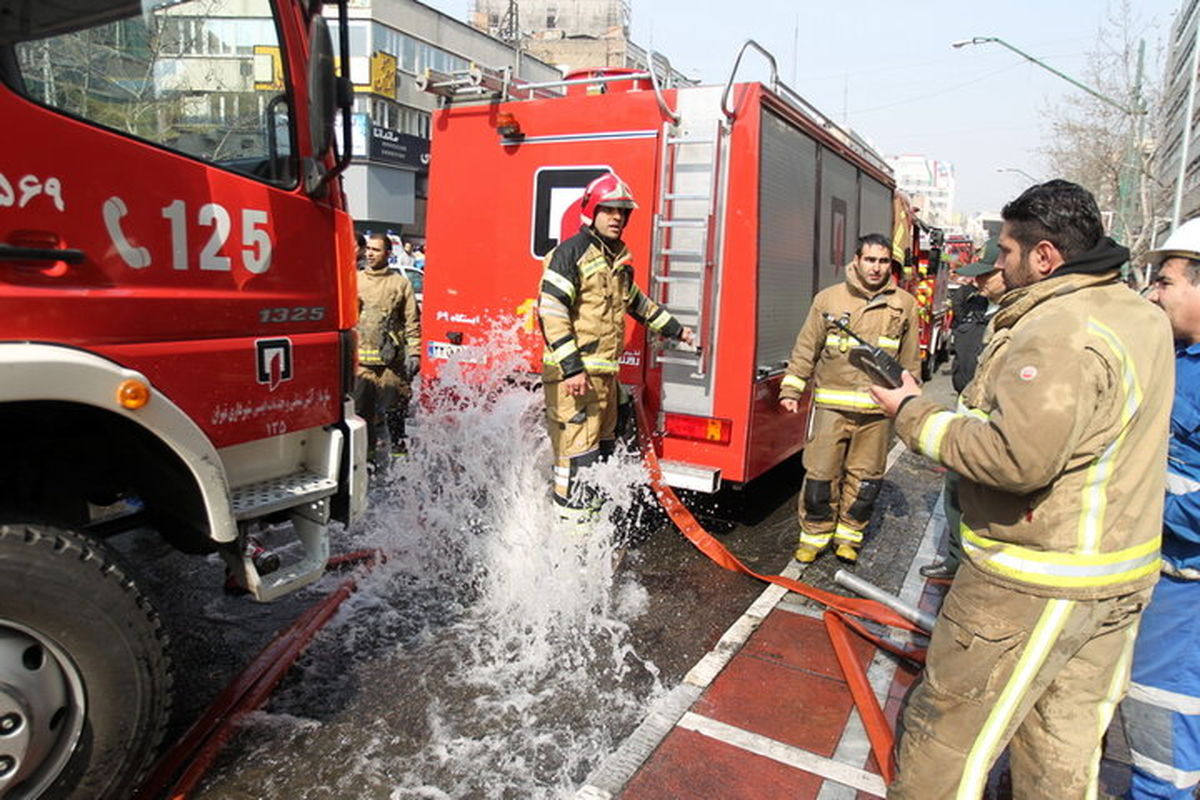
{"points": [[584, 296], [389, 324], [887, 318], [1060, 439]]}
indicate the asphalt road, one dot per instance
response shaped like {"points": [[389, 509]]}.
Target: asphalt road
{"points": [[414, 691]]}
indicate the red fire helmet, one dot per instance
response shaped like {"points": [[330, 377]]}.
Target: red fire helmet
{"points": [[607, 190]]}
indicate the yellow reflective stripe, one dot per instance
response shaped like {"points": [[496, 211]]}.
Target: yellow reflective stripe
{"points": [[833, 340], [602, 366], [984, 750], [933, 431], [792, 382], [835, 397], [889, 343], [846, 533], [1118, 682], [568, 288], [815, 539], [1057, 569], [592, 266], [1095, 488], [564, 350], [659, 320]]}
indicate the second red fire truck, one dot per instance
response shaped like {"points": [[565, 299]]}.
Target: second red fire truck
{"points": [[750, 202]]}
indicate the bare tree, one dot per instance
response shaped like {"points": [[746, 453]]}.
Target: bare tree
{"points": [[1103, 147]]}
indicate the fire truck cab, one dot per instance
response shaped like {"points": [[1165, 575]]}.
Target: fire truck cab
{"points": [[177, 310], [750, 202]]}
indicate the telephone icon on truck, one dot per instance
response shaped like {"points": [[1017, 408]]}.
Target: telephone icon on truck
{"points": [[114, 211]]}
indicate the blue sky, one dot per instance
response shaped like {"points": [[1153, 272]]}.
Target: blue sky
{"points": [[887, 69]]}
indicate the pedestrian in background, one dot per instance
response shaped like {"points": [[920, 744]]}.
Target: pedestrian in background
{"points": [[389, 347], [845, 456], [1060, 441], [586, 290], [971, 319], [1162, 712]]}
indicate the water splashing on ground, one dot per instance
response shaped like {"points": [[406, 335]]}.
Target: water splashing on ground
{"points": [[490, 655]]}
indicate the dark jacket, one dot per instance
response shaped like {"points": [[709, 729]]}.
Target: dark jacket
{"points": [[970, 322]]}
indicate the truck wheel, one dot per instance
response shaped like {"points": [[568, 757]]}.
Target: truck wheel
{"points": [[85, 680]]}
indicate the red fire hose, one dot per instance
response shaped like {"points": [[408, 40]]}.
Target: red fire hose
{"points": [[250, 689], [837, 617]]}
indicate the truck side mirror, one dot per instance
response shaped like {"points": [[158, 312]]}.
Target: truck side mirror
{"points": [[322, 87]]}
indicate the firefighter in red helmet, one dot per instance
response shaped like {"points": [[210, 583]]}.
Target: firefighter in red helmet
{"points": [[587, 288]]}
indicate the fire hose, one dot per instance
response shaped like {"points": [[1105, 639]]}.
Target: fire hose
{"points": [[839, 616], [176, 774]]}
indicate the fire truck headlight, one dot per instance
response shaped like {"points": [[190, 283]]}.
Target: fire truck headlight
{"points": [[133, 394]]}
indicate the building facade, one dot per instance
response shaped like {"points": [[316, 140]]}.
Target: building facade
{"points": [[930, 183], [1178, 81], [391, 43], [572, 34]]}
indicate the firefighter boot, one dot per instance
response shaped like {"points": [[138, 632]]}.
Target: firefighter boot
{"points": [[847, 553], [806, 554]]}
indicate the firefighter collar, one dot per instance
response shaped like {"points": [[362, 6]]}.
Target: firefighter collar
{"points": [[1020, 302]]}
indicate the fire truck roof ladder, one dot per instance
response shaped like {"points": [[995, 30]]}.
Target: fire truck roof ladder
{"points": [[482, 83], [849, 139], [685, 240]]}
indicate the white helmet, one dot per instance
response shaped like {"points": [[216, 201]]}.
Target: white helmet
{"points": [[1184, 242]]}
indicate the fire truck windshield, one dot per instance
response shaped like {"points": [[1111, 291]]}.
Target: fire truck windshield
{"points": [[201, 77]]}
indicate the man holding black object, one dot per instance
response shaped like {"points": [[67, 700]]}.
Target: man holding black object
{"points": [[844, 458], [1060, 441]]}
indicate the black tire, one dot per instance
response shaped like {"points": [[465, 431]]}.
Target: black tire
{"points": [[81, 614]]}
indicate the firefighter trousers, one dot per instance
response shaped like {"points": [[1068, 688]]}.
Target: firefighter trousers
{"points": [[582, 432], [1162, 712], [1006, 668], [381, 394], [844, 461]]}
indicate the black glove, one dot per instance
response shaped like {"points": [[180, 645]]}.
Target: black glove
{"points": [[412, 365]]}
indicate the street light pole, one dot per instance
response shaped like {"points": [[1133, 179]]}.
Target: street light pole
{"points": [[1137, 112], [1047, 67], [1018, 172]]}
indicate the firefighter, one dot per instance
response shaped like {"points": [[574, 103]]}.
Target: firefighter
{"points": [[389, 346], [587, 288], [845, 455], [1162, 712], [1060, 442]]}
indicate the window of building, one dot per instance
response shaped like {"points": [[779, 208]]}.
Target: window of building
{"points": [[201, 77], [551, 17]]}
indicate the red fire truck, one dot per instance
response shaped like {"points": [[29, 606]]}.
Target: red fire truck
{"points": [[918, 248], [177, 305], [750, 202]]}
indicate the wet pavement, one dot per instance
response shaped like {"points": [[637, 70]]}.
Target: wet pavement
{"points": [[478, 666]]}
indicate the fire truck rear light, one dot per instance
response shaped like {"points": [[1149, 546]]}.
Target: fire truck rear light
{"points": [[133, 394], [703, 429]]}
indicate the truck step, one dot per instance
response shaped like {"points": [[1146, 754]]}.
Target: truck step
{"points": [[276, 494], [677, 278], [675, 196], [696, 222]]}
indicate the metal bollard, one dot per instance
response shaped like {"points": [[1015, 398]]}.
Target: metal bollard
{"points": [[872, 592]]}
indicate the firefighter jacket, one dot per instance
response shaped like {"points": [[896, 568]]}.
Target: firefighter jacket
{"points": [[1061, 437], [389, 325], [1181, 515], [886, 318], [587, 288]]}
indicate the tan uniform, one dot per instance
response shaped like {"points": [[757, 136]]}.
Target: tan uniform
{"points": [[845, 456], [1060, 440], [586, 291], [389, 331]]}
